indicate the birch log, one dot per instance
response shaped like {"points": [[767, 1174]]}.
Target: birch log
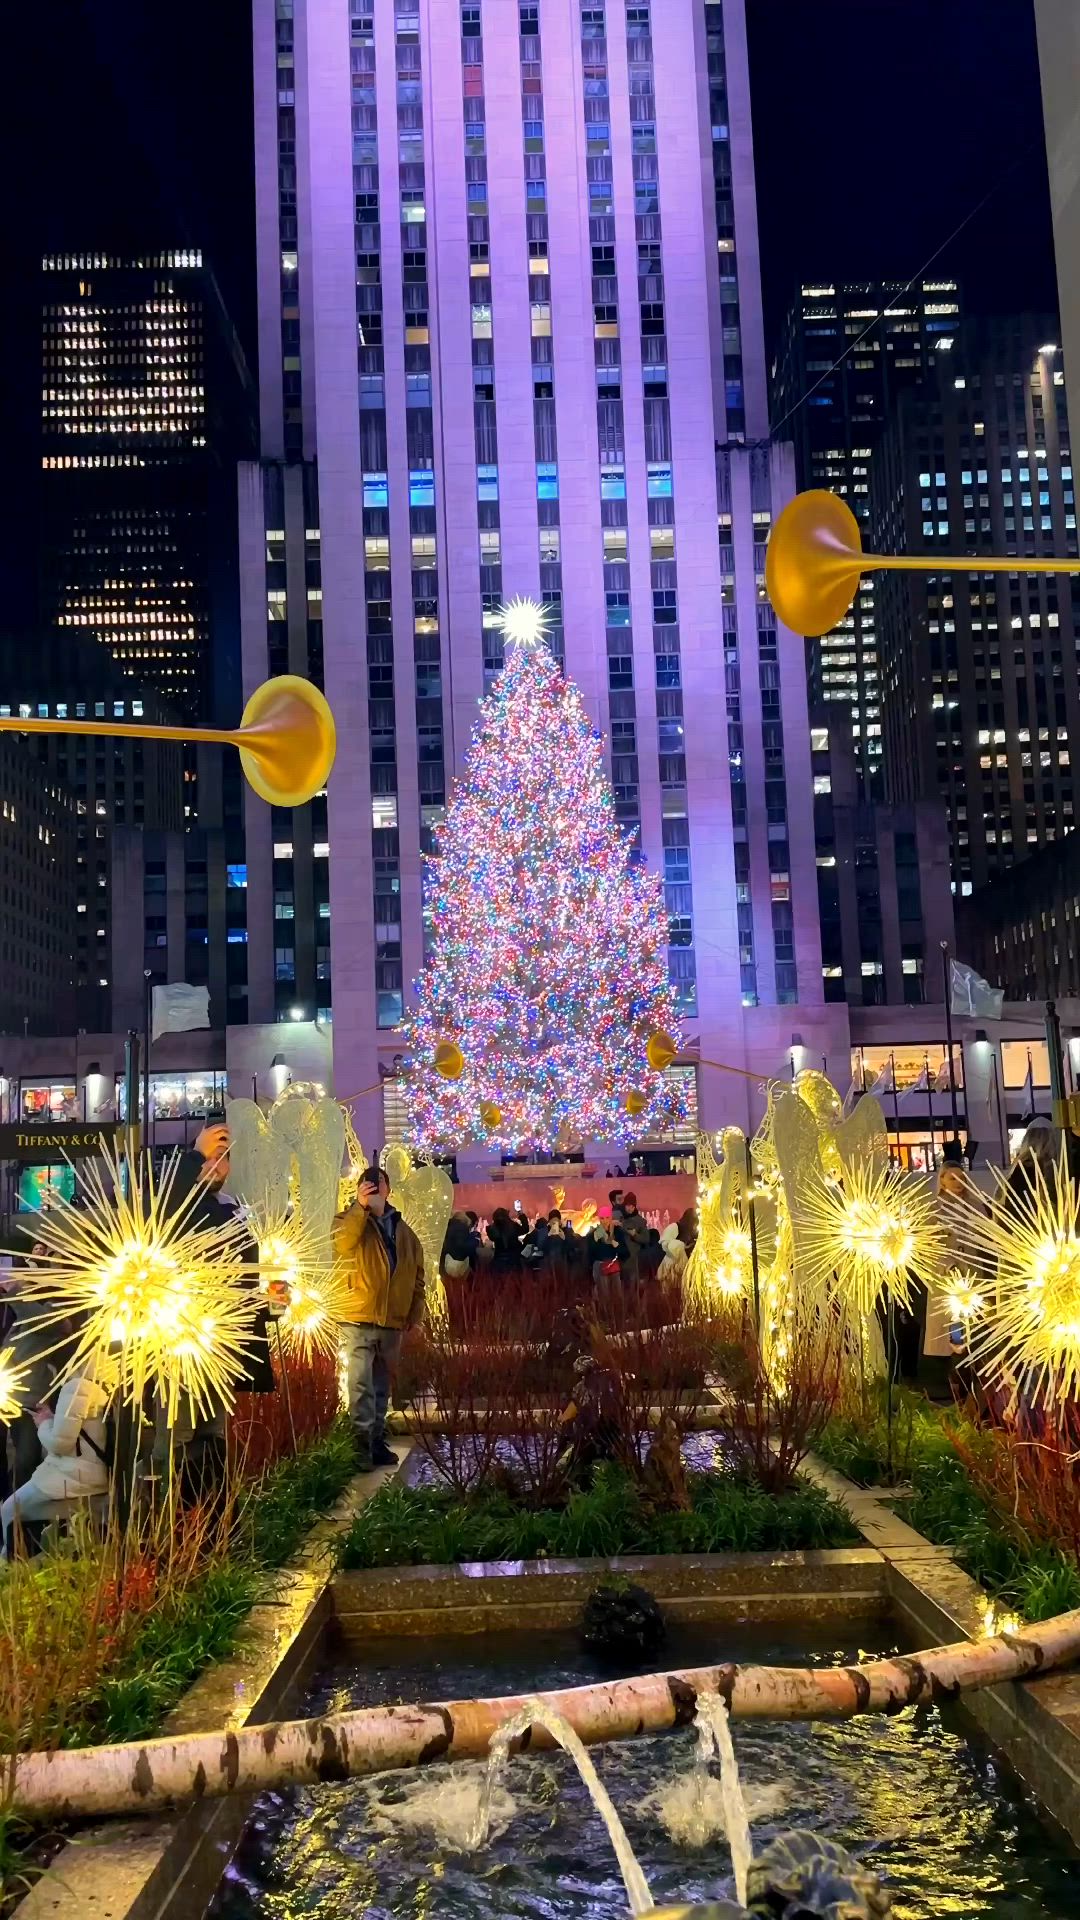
{"points": [[161, 1774]]}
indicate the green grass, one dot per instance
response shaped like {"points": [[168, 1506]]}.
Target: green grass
{"points": [[1033, 1578], [1037, 1580], [201, 1622], [286, 1504], [859, 1447], [410, 1526]]}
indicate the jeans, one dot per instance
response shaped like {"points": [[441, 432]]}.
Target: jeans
{"points": [[370, 1352]]}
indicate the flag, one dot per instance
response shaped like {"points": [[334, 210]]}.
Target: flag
{"points": [[883, 1079], [1029, 1088], [943, 1079], [178, 1008], [912, 1091], [970, 994]]}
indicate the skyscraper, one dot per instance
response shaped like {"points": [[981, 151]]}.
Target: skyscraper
{"points": [[980, 692], [508, 345], [885, 337], [145, 408]]}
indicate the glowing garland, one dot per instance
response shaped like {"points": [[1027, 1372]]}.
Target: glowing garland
{"points": [[548, 943]]}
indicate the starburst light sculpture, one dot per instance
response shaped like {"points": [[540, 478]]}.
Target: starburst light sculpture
{"points": [[11, 1378], [1027, 1255], [161, 1299], [863, 1239]]}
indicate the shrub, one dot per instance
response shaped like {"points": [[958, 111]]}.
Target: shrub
{"points": [[260, 1428], [770, 1419], [403, 1526]]}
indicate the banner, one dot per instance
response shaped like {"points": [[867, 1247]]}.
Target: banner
{"points": [[56, 1139]]}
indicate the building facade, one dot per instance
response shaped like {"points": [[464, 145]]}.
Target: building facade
{"points": [[1058, 27], [883, 880], [37, 895], [511, 343], [981, 699], [146, 405], [889, 336], [113, 784]]}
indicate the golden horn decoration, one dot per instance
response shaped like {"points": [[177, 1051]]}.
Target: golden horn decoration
{"points": [[815, 559], [287, 738]]}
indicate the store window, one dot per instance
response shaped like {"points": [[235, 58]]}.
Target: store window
{"points": [[49, 1100], [180, 1096]]}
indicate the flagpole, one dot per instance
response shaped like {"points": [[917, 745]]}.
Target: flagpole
{"points": [[1057, 1071], [949, 1037], [930, 1109], [147, 1025], [1002, 1128], [895, 1107]]}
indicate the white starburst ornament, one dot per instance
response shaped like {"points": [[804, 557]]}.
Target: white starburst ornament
{"points": [[523, 622]]}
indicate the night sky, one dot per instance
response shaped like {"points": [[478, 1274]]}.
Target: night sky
{"points": [[879, 125]]}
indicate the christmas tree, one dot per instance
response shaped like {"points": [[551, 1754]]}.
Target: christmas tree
{"points": [[548, 967]]}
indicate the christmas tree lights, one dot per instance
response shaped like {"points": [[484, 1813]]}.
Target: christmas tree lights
{"points": [[547, 973]]}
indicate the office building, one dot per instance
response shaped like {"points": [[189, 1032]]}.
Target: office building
{"points": [[848, 348], [1023, 929], [502, 337], [1057, 24], [981, 699], [883, 880], [146, 405], [117, 783], [37, 895]]}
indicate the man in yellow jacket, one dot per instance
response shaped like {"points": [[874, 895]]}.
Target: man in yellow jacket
{"points": [[384, 1263]]}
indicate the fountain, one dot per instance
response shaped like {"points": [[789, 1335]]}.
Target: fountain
{"points": [[537, 1713]]}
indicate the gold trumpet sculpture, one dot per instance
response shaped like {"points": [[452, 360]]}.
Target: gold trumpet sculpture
{"points": [[814, 561], [287, 738]]}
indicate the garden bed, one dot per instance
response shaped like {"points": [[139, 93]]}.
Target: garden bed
{"points": [[1004, 1500], [613, 1515]]}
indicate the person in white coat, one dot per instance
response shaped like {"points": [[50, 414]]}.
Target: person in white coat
{"points": [[73, 1442]]}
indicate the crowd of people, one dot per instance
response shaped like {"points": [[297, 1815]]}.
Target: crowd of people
{"points": [[617, 1245], [60, 1451]]}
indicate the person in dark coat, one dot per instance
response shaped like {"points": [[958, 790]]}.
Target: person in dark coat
{"points": [[198, 1438], [505, 1234]]}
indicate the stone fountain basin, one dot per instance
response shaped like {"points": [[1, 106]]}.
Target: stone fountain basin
{"points": [[904, 1589]]}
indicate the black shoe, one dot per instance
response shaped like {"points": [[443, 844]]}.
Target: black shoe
{"points": [[364, 1460], [382, 1455]]}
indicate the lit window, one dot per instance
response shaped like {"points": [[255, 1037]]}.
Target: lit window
{"points": [[376, 493], [662, 543], [614, 544], [376, 552], [490, 547], [659, 481], [613, 483], [822, 783], [321, 849], [282, 849], [422, 488], [481, 321], [547, 480], [549, 545], [487, 483], [423, 549], [541, 319], [384, 810]]}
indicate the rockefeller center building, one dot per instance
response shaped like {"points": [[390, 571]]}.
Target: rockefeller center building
{"points": [[511, 344]]}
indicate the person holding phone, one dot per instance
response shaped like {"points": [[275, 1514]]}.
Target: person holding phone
{"points": [[384, 1264]]}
